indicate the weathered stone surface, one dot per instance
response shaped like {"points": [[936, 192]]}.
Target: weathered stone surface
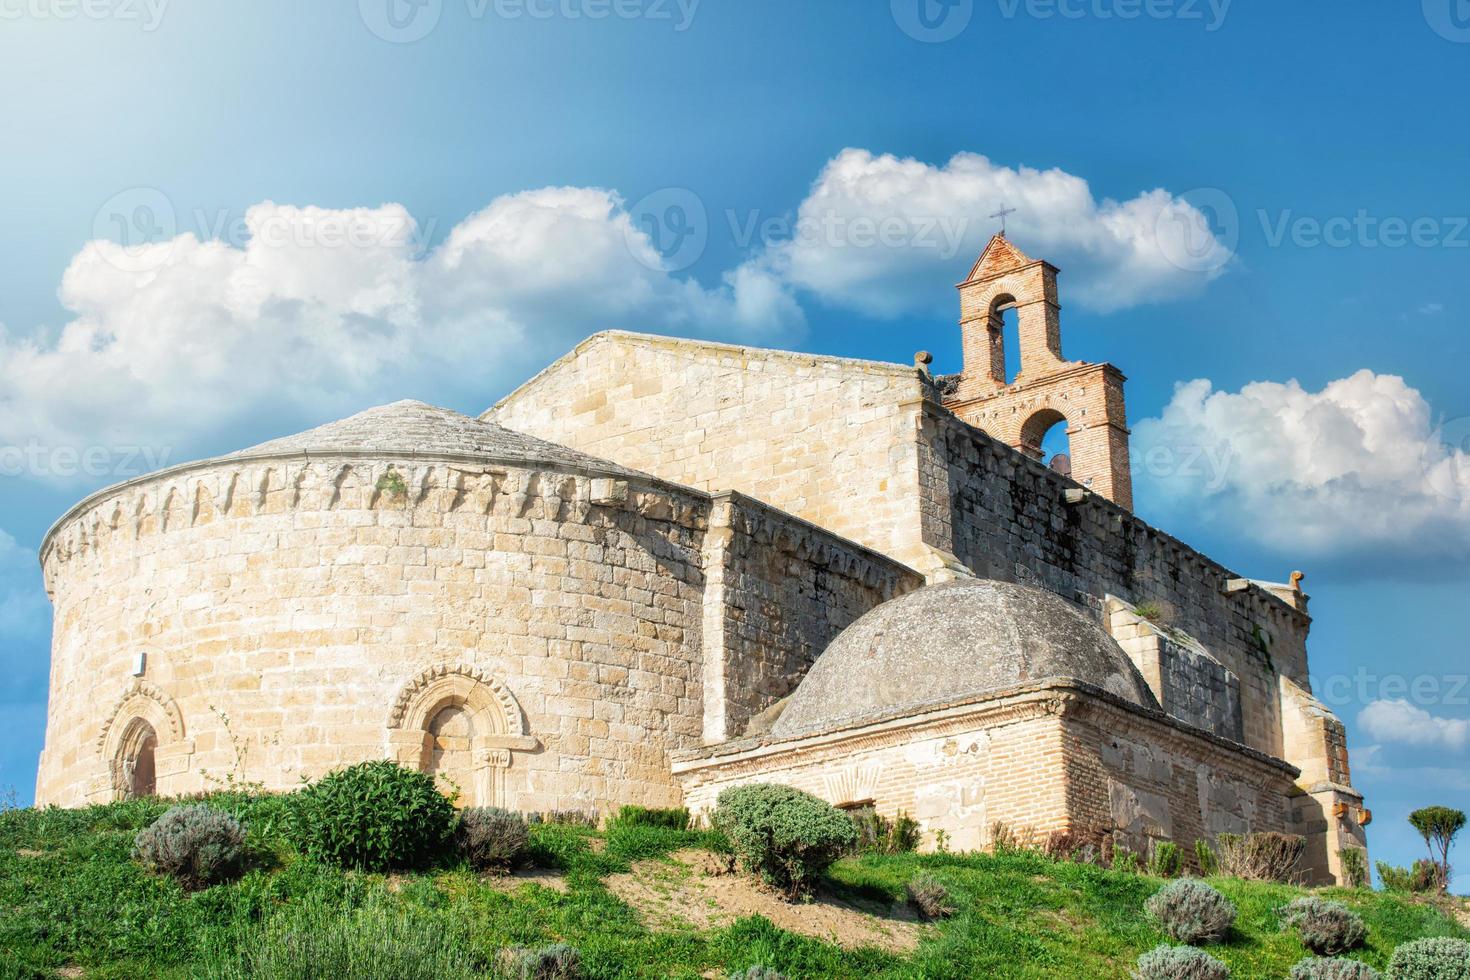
{"points": [[953, 641]]}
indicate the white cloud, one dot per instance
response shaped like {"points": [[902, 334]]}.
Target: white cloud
{"points": [[318, 311], [1357, 466], [1401, 722], [883, 235]]}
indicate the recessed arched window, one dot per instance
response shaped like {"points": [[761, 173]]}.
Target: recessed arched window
{"points": [[449, 749], [137, 767]]}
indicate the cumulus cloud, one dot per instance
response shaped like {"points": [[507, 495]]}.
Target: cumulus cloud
{"points": [[879, 234], [314, 311], [1360, 465], [1403, 723]]}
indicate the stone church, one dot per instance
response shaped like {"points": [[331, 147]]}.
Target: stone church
{"points": [[663, 567]]}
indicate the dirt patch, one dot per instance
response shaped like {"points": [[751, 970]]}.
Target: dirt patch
{"points": [[554, 880], [26, 852], [697, 889]]}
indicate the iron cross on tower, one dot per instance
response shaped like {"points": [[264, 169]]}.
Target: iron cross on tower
{"points": [[1001, 214]]}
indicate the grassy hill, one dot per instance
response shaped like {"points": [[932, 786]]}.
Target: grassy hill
{"points": [[73, 903]]}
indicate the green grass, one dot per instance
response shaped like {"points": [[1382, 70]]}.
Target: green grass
{"points": [[70, 896]]}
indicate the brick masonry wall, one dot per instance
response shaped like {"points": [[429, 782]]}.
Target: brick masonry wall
{"points": [[820, 437], [1041, 761]]}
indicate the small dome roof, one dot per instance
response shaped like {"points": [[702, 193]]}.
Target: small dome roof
{"points": [[416, 429], [956, 640]]}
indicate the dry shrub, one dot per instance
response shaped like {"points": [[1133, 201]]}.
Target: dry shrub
{"points": [[1261, 857]]}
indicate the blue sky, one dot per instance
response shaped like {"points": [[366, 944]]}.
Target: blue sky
{"points": [[510, 175]]}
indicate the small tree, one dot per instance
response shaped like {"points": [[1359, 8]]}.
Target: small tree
{"points": [[1439, 825]]}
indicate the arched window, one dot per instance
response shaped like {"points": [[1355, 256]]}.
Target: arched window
{"points": [[137, 769], [449, 749], [462, 727]]}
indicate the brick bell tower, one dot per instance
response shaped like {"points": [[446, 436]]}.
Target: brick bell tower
{"points": [[1047, 389]]}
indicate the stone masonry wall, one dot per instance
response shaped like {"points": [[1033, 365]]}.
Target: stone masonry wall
{"points": [[296, 617], [779, 591], [1007, 517], [821, 437]]}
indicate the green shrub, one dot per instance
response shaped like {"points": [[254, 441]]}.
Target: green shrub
{"points": [[196, 845], [1326, 928], [1125, 861], [1431, 959], [876, 834], [1180, 963], [555, 962], [1165, 861], [491, 839], [928, 895], [1423, 877], [785, 836], [1261, 857], [757, 973], [1204, 856], [372, 943], [374, 816], [1354, 866], [1313, 968], [1191, 911], [673, 818]]}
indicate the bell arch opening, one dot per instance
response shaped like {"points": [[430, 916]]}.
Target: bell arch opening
{"points": [[1005, 339], [1044, 437]]}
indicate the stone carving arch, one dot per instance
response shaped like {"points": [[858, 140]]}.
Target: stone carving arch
{"points": [[488, 728], [145, 727]]}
